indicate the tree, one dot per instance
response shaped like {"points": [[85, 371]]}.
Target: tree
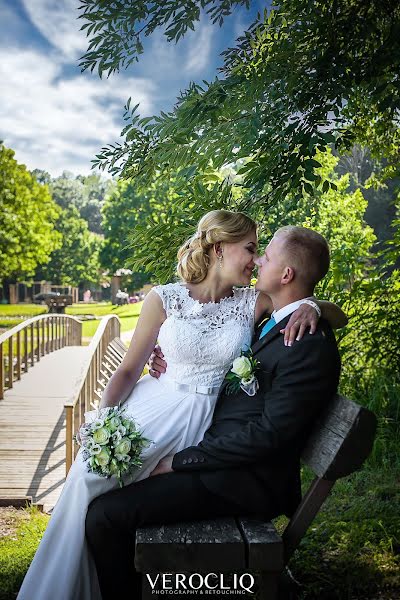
{"points": [[41, 176], [124, 209], [86, 192], [28, 218], [95, 190], [76, 261], [303, 76], [67, 190]]}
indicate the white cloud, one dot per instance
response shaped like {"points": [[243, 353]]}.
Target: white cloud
{"points": [[241, 24], [200, 49], [58, 123], [58, 23]]}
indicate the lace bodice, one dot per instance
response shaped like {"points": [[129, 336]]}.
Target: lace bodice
{"points": [[200, 341]]}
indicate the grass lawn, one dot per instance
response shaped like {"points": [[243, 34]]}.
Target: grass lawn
{"points": [[20, 534], [13, 314], [22, 310], [352, 549], [351, 552], [128, 315]]}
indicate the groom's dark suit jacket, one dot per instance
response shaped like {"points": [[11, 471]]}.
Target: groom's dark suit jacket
{"points": [[251, 452]]}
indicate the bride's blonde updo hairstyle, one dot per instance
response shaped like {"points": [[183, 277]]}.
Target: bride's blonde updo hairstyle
{"points": [[216, 226]]}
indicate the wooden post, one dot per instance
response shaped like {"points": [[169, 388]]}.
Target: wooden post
{"points": [[79, 334], [52, 334], [93, 379], [48, 335], [85, 397], [1, 373], [18, 355], [77, 422], [43, 338], [304, 515], [32, 345], [26, 349], [81, 405], [89, 387], [10, 362], [68, 438], [38, 340]]}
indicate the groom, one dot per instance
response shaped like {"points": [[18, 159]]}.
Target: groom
{"points": [[248, 462]]}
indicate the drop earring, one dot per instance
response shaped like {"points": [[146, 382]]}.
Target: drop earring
{"points": [[220, 261]]}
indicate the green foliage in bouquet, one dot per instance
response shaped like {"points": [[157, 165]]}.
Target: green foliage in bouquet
{"points": [[112, 444]]}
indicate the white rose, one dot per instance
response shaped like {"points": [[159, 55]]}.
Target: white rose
{"points": [[113, 424], [123, 447], [101, 436], [121, 429], [242, 367], [103, 458], [128, 424]]}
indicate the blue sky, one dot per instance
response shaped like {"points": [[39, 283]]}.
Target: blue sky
{"points": [[57, 118]]}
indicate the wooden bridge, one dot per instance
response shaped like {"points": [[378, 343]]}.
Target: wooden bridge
{"points": [[47, 381]]}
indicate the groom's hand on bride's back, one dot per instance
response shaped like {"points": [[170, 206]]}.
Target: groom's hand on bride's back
{"points": [[305, 317], [156, 362]]}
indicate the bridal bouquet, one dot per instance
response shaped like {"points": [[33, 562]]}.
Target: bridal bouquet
{"points": [[112, 443]]}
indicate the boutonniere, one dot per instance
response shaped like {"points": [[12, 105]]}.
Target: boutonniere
{"points": [[242, 374]]}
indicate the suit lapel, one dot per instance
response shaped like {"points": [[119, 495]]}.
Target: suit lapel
{"points": [[272, 333], [258, 344]]}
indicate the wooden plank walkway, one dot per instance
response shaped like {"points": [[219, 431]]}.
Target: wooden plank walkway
{"points": [[32, 427]]}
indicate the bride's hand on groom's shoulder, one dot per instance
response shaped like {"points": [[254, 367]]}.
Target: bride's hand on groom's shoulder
{"points": [[302, 319], [156, 362], [164, 466]]}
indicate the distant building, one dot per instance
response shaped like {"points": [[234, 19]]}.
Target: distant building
{"points": [[18, 293]]}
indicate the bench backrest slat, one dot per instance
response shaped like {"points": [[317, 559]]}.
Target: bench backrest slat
{"points": [[341, 439]]}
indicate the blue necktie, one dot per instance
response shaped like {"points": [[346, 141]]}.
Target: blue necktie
{"points": [[268, 325]]}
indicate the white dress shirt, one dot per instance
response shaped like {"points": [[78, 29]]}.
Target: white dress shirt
{"points": [[283, 312]]}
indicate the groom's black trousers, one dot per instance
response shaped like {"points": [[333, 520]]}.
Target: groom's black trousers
{"points": [[113, 518]]}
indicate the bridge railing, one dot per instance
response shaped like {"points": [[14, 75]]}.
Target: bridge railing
{"points": [[90, 382], [23, 345]]}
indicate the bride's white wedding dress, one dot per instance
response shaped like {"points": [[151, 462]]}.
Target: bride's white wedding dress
{"points": [[199, 342]]}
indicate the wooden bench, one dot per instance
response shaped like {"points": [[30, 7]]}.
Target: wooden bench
{"points": [[57, 304], [341, 441]]}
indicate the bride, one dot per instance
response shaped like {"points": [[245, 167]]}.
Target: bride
{"points": [[202, 324]]}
